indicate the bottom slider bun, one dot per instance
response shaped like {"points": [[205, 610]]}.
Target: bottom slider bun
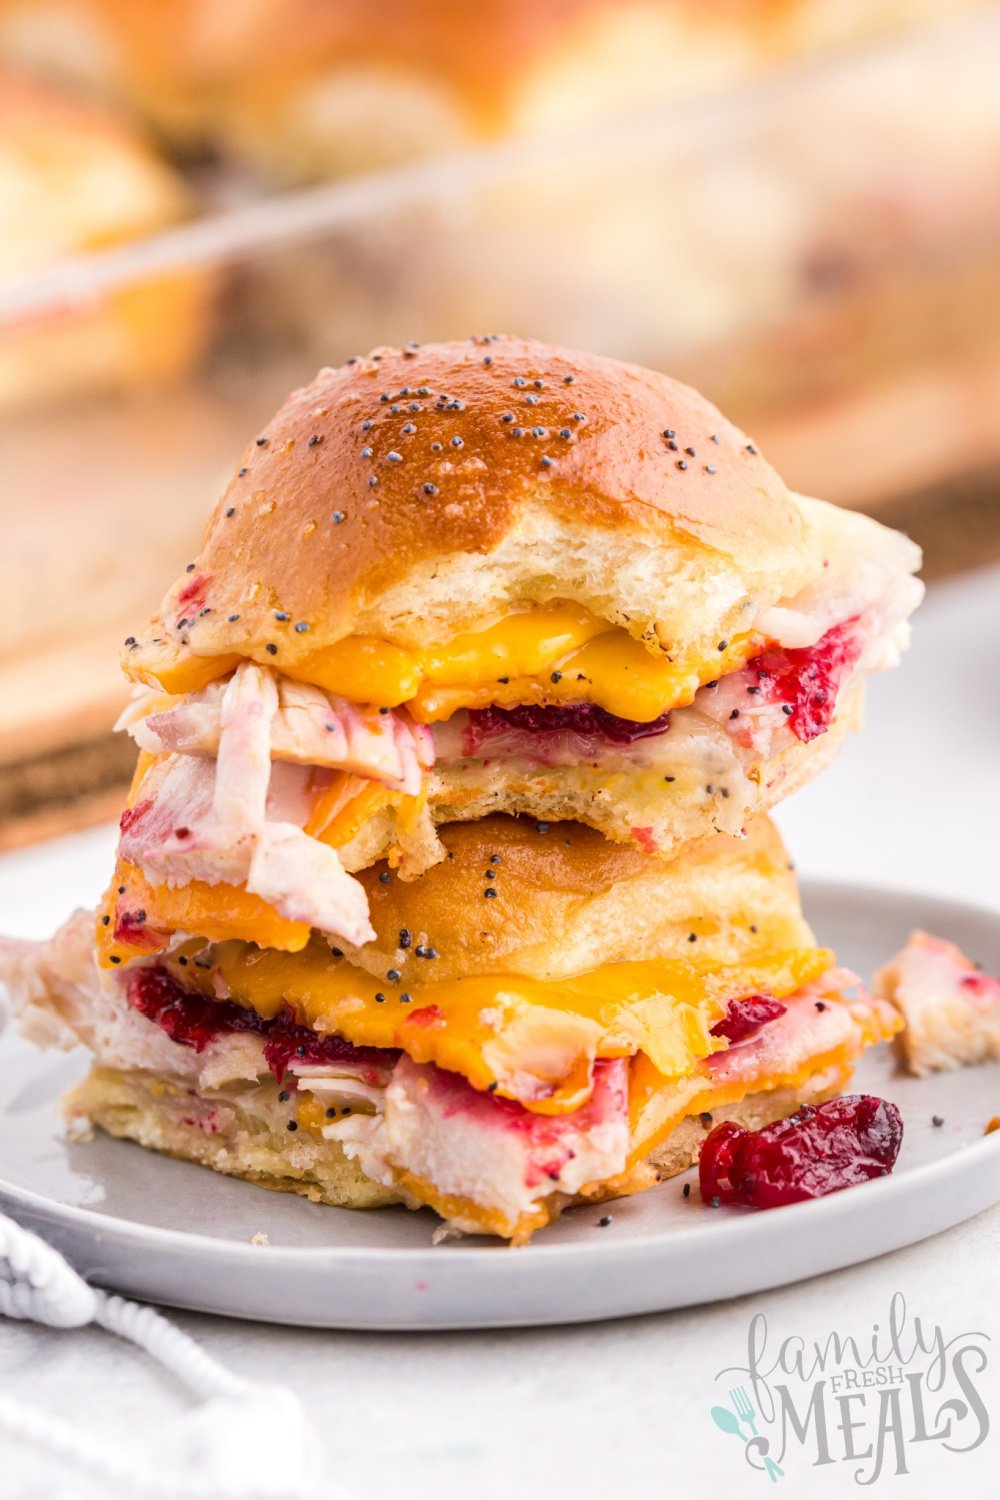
{"points": [[243, 1132], [542, 1018]]}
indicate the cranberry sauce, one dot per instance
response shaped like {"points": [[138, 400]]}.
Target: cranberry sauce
{"points": [[744, 1018], [191, 1020], [818, 1150], [806, 681], [510, 730]]}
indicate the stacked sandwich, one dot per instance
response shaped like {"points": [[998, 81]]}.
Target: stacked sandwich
{"points": [[446, 877]]}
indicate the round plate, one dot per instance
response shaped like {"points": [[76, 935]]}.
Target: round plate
{"points": [[175, 1233]]}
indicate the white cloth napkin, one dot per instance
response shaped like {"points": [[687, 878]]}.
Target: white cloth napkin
{"points": [[244, 1440]]}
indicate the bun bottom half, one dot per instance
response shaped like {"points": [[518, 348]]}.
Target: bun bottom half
{"points": [[227, 1132]]}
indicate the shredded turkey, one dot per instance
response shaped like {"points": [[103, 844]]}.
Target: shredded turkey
{"points": [[308, 727], [820, 1018], [232, 820], [950, 1008], [494, 1153], [866, 574]]}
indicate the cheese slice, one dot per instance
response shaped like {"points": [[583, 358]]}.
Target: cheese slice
{"points": [[557, 654], [530, 1040], [344, 807], [223, 911], [611, 669], [213, 912], [474, 1217], [176, 669], [657, 1105]]}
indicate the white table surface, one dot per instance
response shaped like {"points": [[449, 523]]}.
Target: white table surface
{"points": [[623, 1408]]}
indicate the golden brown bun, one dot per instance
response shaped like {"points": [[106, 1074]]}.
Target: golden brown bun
{"points": [[568, 900], [681, 545], [162, 1115], [73, 178]]}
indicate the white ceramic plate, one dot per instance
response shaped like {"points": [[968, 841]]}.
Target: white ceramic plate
{"points": [[175, 1233]]}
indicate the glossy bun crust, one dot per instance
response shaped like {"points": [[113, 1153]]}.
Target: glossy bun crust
{"points": [[567, 900], [420, 491]]}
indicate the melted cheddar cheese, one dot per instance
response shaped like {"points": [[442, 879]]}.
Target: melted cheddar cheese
{"points": [[215, 913], [530, 1040], [657, 1107], [222, 911], [345, 806], [472, 1217], [175, 669], [559, 654]]}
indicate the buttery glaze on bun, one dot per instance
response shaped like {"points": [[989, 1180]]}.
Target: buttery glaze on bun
{"points": [[418, 492], [549, 900]]}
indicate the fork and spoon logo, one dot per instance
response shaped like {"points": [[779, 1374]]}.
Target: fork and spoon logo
{"points": [[873, 1399], [733, 1421]]}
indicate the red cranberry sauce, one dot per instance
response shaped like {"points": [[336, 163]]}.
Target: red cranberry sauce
{"points": [[193, 597], [744, 1018], [820, 1149], [131, 815], [803, 682], [806, 681], [546, 731], [193, 1021]]}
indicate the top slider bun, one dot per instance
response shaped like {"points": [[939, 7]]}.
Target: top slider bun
{"points": [[420, 492], [568, 585]]}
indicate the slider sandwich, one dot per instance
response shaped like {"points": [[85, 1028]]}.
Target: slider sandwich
{"points": [[445, 877], [542, 1018], [491, 576], [304, 89]]}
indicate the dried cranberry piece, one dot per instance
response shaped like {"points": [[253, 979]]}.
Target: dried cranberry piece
{"points": [[818, 1150], [745, 1017], [808, 679]]}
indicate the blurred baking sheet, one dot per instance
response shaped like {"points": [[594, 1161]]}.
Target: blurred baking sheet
{"points": [[820, 254]]}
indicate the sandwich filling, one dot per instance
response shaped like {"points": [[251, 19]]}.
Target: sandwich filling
{"points": [[267, 786], [495, 1100]]}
